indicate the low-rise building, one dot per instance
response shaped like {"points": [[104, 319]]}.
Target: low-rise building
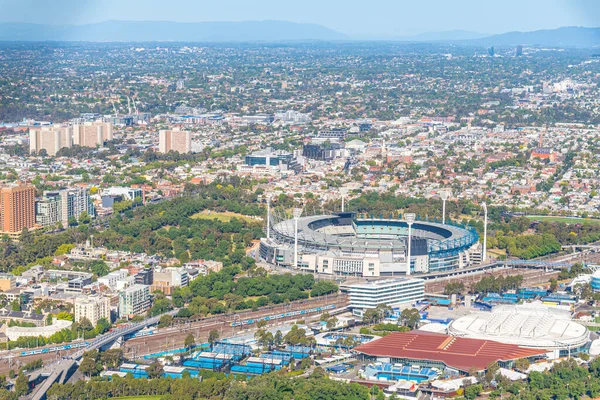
{"points": [[391, 292], [7, 282]]}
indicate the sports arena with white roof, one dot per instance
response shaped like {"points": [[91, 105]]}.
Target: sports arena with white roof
{"points": [[528, 325]]}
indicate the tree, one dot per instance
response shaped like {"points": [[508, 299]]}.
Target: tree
{"points": [[22, 385], [15, 305], [189, 341], [165, 320], [155, 370], [88, 367], [472, 391], [553, 285], [102, 326], [84, 218], [522, 364], [332, 323], [213, 336], [63, 315], [410, 317]]}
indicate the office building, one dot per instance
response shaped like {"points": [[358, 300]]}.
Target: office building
{"points": [[491, 51], [7, 282], [17, 208], [145, 277], [115, 194], [391, 292], [321, 152], [50, 139], [111, 280], [169, 279], [267, 161], [291, 116], [174, 140], [60, 205], [92, 308], [92, 134], [331, 135], [134, 300], [519, 51]]}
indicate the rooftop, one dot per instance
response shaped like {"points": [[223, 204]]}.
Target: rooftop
{"points": [[459, 353]]}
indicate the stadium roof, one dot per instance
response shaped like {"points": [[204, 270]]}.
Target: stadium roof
{"points": [[531, 325], [459, 353]]}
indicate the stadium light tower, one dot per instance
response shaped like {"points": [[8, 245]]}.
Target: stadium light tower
{"points": [[410, 219], [269, 195], [444, 195], [484, 252], [297, 214]]}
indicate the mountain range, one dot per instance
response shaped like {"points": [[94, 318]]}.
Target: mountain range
{"points": [[276, 31]]}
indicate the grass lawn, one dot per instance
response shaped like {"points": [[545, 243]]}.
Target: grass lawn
{"points": [[222, 216], [567, 220]]}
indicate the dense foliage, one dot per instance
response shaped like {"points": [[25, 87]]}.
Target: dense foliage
{"points": [[215, 386]]}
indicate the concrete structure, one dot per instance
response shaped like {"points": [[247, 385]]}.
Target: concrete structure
{"points": [[529, 325], [125, 193], [391, 292], [269, 161], [343, 244], [174, 140], [169, 279], [17, 208], [92, 134], [134, 300], [50, 138], [7, 282], [60, 205], [15, 332], [92, 308], [110, 280]]}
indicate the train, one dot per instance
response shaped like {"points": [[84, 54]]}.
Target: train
{"points": [[55, 349], [143, 332], [283, 315]]}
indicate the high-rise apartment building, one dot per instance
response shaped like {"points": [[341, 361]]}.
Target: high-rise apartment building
{"points": [[134, 300], [49, 138], [92, 134], [92, 308], [174, 140], [17, 208], [60, 205], [53, 138]]}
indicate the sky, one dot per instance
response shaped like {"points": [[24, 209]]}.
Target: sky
{"points": [[358, 18]]}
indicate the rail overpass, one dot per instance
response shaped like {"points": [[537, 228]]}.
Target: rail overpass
{"points": [[61, 371]]}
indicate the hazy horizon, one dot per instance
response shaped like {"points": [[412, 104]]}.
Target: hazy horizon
{"points": [[350, 17]]}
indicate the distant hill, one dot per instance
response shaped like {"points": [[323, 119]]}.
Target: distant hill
{"points": [[149, 31], [572, 36], [445, 36]]}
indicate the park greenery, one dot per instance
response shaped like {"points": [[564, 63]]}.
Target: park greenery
{"points": [[214, 386]]}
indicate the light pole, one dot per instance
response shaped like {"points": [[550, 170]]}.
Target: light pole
{"points": [[444, 194], [269, 195], [297, 214], [409, 218], [484, 252]]}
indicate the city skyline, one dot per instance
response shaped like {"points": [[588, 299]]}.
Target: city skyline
{"points": [[381, 19]]}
